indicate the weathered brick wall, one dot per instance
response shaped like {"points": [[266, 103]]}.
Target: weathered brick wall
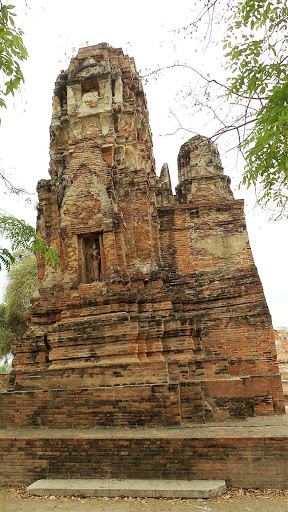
{"points": [[242, 462], [281, 339], [87, 408], [159, 405], [4, 382], [154, 289]]}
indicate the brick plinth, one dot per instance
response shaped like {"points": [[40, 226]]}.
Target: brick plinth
{"points": [[173, 404], [242, 456]]}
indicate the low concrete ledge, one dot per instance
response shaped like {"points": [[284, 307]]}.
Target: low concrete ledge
{"points": [[128, 488]]}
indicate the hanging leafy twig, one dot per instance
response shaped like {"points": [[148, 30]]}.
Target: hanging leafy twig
{"points": [[12, 52], [21, 235]]}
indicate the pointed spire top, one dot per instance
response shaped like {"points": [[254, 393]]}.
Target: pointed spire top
{"points": [[165, 177]]}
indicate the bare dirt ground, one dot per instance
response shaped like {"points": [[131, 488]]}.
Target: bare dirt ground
{"points": [[234, 500]]}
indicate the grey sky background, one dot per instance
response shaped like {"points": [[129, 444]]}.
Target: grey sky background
{"points": [[54, 30]]}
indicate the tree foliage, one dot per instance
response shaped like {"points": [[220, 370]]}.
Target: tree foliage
{"points": [[251, 101], [22, 235], [22, 280], [12, 52], [257, 52], [6, 334]]}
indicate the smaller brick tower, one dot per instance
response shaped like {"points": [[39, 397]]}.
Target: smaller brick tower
{"points": [[200, 173], [157, 315]]}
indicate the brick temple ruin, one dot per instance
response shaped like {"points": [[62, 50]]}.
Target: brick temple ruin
{"points": [[157, 315]]}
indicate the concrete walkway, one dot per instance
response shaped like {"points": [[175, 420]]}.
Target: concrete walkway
{"points": [[232, 501]]}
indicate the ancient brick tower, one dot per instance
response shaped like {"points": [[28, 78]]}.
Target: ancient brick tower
{"points": [[157, 315]]}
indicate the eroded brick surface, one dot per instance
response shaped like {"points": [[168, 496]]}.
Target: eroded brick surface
{"points": [[252, 461], [157, 315], [281, 339]]}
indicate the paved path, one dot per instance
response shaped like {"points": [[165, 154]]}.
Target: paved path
{"points": [[233, 501]]}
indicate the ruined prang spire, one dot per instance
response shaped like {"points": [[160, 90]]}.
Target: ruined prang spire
{"points": [[157, 315]]}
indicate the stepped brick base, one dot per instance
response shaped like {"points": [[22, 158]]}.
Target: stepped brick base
{"points": [[248, 454], [163, 405]]}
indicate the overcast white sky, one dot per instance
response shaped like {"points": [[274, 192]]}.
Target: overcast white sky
{"points": [[147, 31]]}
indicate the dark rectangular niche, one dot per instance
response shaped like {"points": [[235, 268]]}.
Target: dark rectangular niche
{"points": [[92, 258]]}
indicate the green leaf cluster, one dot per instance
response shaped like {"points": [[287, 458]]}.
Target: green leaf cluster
{"points": [[22, 281], [5, 367], [6, 334], [267, 149], [23, 236], [257, 46], [12, 52], [257, 55]]}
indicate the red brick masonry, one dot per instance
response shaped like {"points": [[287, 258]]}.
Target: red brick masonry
{"points": [[244, 454], [175, 404], [157, 315]]}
